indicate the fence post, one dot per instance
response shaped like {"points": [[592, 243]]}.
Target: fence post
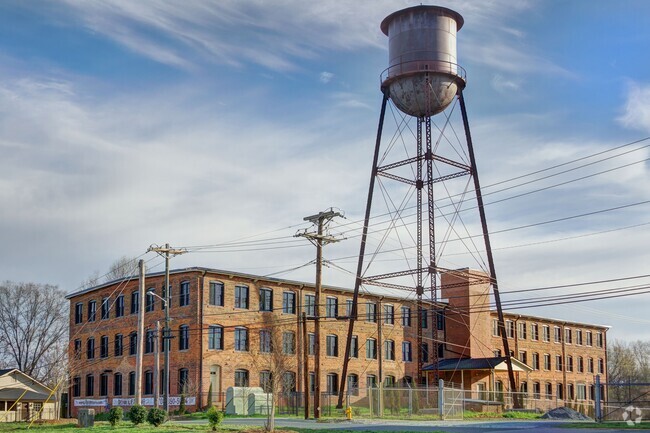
{"points": [[441, 398], [597, 408], [410, 401], [370, 402]]}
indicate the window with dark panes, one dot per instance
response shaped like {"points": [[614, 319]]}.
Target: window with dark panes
{"points": [[266, 299], [149, 341], [406, 316], [183, 380], [265, 341], [389, 315], [241, 339], [215, 337], [150, 301], [354, 347], [90, 385], [311, 349], [371, 312], [105, 308], [132, 383], [331, 307], [216, 293], [133, 343], [135, 302], [77, 349], [117, 384], [241, 297], [76, 387], [103, 346], [407, 355], [371, 348], [103, 384], [289, 303], [183, 337], [78, 313], [310, 305], [92, 311], [148, 382], [185, 294], [241, 378], [288, 343], [90, 348], [332, 344], [119, 306], [118, 345], [389, 350]]}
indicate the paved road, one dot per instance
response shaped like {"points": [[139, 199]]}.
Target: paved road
{"points": [[418, 426]]}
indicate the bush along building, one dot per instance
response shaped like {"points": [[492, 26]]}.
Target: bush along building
{"points": [[225, 326]]}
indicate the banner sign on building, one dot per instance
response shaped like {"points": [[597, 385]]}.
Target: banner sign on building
{"points": [[148, 401], [91, 402]]}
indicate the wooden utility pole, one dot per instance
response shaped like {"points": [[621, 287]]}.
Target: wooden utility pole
{"points": [[319, 239], [140, 335], [156, 368], [305, 354], [166, 252]]}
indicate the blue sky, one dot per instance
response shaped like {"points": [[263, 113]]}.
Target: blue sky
{"points": [[124, 124]]}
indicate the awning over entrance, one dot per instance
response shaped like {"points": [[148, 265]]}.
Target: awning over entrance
{"points": [[12, 394], [495, 364]]}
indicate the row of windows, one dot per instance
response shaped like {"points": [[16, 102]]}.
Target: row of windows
{"points": [[241, 300], [148, 383], [582, 337], [118, 304], [118, 344], [216, 298], [332, 381], [580, 363], [576, 391]]}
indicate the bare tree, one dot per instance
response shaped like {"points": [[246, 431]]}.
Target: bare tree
{"points": [[628, 364], [122, 268], [275, 357], [33, 328]]}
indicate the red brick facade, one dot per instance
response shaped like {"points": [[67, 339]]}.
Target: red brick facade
{"points": [[218, 325]]}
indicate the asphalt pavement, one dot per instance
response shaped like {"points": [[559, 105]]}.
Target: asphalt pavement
{"points": [[510, 426]]}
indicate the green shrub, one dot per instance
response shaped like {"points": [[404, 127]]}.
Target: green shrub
{"points": [[214, 417], [156, 416], [101, 416], [181, 406], [115, 415], [137, 414]]}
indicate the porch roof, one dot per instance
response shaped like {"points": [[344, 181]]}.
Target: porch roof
{"points": [[497, 363], [13, 394]]}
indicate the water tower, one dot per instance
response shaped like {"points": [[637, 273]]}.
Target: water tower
{"points": [[423, 87]]}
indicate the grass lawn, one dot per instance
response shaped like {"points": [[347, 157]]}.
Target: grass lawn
{"points": [[127, 427]]}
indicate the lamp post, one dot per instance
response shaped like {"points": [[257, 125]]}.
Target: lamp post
{"points": [[165, 345]]}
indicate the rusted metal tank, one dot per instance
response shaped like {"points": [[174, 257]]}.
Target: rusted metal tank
{"points": [[423, 74]]}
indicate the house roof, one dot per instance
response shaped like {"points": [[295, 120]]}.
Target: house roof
{"points": [[7, 371], [497, 363], [12, 394]]}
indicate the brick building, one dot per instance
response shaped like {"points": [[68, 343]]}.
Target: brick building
{"points": [[223, 323]]}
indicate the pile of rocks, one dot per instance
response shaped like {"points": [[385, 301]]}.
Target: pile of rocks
{"points": [[565, 413]]}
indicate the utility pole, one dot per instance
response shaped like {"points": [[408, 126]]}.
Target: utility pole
{"points": [[166, 252], [305, 354], [156, 368], [140, 335], [319, 239]]}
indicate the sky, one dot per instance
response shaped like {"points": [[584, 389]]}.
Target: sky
{"points": [[125, 124]]}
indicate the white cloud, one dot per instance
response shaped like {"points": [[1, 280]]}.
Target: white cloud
{"points": [[636, 112], [326, 77]]}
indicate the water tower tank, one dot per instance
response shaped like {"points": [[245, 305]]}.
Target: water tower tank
{"points": [[423, 75]]}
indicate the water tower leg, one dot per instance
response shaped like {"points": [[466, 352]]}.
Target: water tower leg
{"points": [[488, 248], [362, 250]]}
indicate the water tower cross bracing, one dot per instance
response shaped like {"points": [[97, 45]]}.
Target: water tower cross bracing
{"points": [[422, 83]]}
